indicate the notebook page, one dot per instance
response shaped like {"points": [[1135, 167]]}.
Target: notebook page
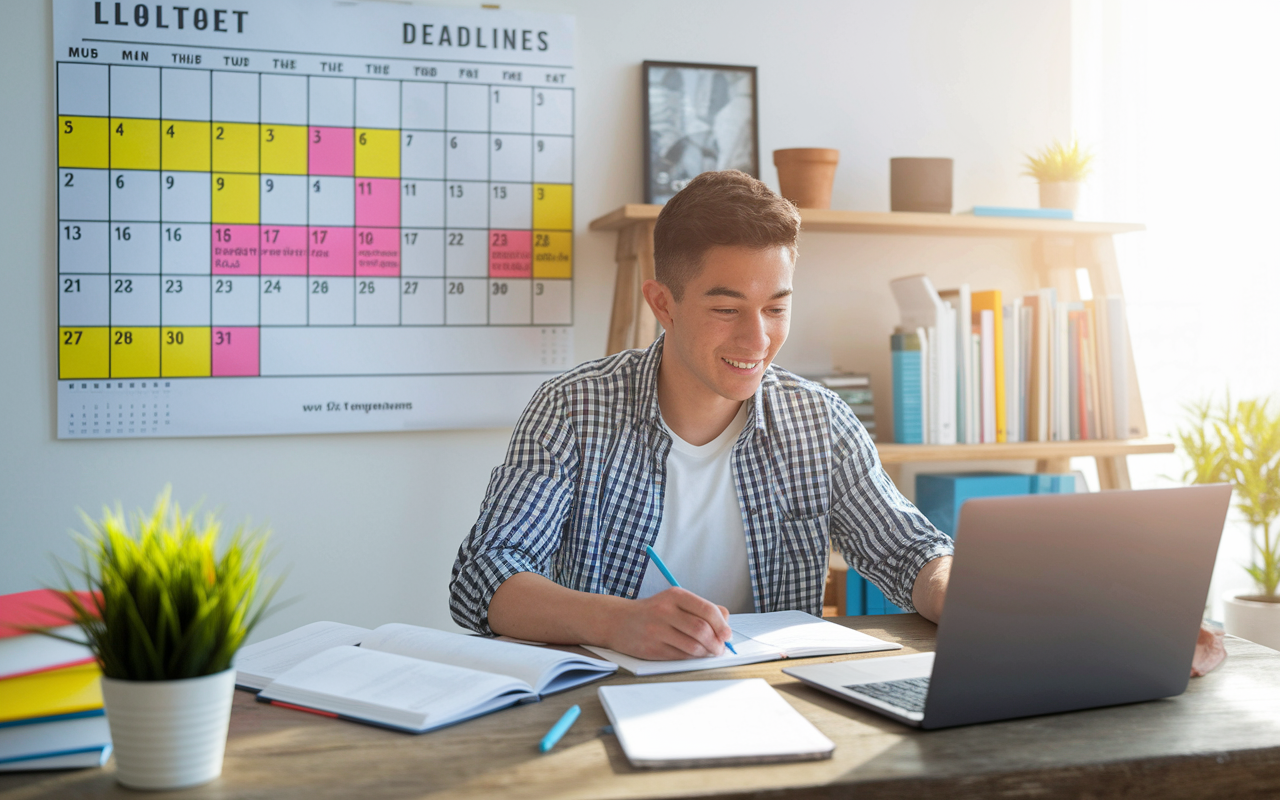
{"points": [[798, 634], [536, 666], [750, 651], [260, 663], [391, 689], [703, 723]]}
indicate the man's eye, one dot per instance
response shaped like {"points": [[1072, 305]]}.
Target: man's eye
{"points": [[726, 310]]}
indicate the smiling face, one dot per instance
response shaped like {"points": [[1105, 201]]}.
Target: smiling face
{"points": [[730, 322]]}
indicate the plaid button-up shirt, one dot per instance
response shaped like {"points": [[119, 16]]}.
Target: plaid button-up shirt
{"points": [[580, 493]]}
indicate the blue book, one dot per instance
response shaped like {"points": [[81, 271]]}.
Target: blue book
{"points": [[1026, 213], [939, 496], [908, 385]]}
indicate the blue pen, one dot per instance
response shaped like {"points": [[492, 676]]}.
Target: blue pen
{"points": [[671, 579], [559, 729]]}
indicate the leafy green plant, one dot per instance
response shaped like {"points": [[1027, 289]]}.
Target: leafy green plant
{"points": [[165, 605], [1060, 162], [1239, 444]]}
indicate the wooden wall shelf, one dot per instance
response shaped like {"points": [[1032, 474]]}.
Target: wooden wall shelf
{"points": [[891, 453], [823, 220]]}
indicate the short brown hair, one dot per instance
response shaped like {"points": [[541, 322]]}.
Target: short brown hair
{"points": [[728, 208]]}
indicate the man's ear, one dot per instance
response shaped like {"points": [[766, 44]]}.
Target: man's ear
{"points": [[660, 301]]}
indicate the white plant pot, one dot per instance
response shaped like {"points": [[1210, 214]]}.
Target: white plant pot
{"points": [[169, 734], [1060, 194], [1253, 620]]}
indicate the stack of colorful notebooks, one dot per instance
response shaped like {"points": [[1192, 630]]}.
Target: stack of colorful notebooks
{"points": [[973, 367], [51, 714]]}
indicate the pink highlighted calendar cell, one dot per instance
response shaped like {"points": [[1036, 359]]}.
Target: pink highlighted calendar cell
{"points": [[235, 352], [331, 151], [378, 202], [331, 251], [283, 250], [235, 250], [378, 252], [510, 254]]}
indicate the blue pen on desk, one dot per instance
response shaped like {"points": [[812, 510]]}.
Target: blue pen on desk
{"points": [[559, 729], [671, 579]]}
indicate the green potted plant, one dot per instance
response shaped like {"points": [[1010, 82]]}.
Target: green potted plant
{"points": [[167, 614], [1060, 169], [1239, 444]]}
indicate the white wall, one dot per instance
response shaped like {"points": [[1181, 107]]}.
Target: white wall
{"points": [[369, 524]]}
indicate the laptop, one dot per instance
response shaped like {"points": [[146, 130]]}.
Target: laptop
{"points": [[1056, 603]]}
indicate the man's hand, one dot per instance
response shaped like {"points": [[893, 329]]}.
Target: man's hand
{"points": [[673, 624], [930, 589]]}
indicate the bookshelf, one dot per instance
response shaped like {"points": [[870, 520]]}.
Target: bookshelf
{"points": [[1060, 248]]}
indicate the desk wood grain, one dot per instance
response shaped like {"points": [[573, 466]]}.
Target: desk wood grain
{"points": [[1221, 738]]}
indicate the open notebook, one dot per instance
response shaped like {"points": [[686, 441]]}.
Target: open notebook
{"points": [[403, 676], [764, 637]]}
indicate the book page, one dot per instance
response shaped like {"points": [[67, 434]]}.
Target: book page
{"points": [[260, 663], [749, 650], [796, 633], [536, 666], [392, 689]]}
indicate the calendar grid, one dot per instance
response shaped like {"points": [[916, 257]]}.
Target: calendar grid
{"points": [[500, 277]]}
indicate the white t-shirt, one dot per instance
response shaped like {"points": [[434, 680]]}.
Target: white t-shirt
{"points": [[701, 538]]}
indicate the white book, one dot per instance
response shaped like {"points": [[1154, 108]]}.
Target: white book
{"points": [[1044, 363], [709, 724], [975, 384], [1011, 311], [964, 366], [1118, 356], [45, 739], [921, 307], [989, 344], [1062, 373], [96, 757], [770, 636], [20, 655], [407, 677], [1024, 359]]}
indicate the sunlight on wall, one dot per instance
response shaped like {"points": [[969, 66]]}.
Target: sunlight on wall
{"points": [[1179, 100]]}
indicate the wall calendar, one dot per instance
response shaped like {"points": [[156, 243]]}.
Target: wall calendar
{"points": [[286, 216]]}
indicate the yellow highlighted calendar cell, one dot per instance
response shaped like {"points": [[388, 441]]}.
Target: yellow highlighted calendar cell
{"points": [[377, 153], [184, 145], [135, 143], [235, 198], [552, 206], [83, 142], [552, 254], [135, 352], [235, 146], [84, 353], [184, 352], [284, 149]]}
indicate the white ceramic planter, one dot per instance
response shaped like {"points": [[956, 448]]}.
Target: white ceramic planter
{"points": [[1060, 194], [169, 734], [1252, 620]]}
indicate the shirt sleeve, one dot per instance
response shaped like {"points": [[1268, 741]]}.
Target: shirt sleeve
{"points": [[879, 532], [524, 510]]}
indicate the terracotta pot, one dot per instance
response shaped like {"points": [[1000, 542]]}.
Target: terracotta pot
{"points": [[805, 175], [1060, 194], [1253, 618]]}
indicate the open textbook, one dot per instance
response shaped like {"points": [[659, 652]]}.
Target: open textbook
{"points": [[403, 676], [769, 636]]}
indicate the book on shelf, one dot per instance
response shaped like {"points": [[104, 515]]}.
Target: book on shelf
{"points": [[976, 367], [403, 676], [854, 388], [1022, 213], [760, 637]]}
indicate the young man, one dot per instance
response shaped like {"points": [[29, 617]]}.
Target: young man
{"points": [[738, 473]]}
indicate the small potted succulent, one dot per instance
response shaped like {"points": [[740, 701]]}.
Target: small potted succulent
{"points": [[1239, 444], [1060, 169], [165, 616]]}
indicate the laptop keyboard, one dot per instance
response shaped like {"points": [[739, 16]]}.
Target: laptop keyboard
{"points": [[908, 693]]}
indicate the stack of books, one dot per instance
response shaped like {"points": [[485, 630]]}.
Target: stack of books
{"points": [[855, 389], [51, 714], [974, 367]]}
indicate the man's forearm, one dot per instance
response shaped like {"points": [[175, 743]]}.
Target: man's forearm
{"points": [[529, 606], [930, 590]]}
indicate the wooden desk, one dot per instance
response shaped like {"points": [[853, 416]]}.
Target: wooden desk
{"points": [[1219, 739]]}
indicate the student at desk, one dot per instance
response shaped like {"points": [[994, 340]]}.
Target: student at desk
{"points": [[738, 473]]}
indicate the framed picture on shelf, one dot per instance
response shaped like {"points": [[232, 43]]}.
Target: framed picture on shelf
{"points": [[697, 118]]}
